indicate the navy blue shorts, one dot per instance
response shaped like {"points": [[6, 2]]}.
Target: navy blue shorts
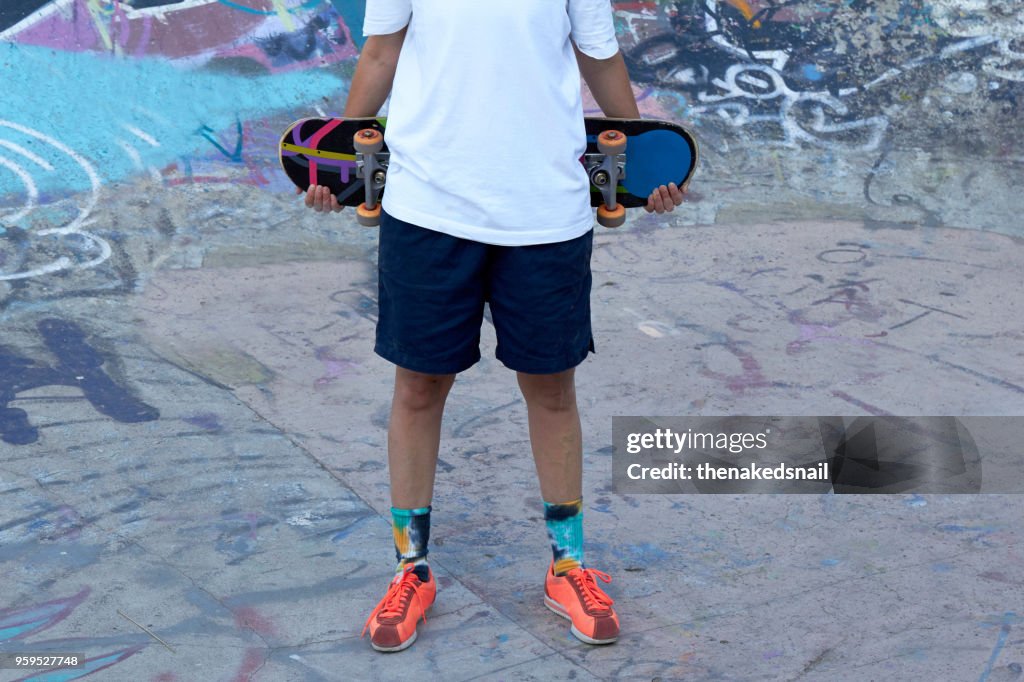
{"points": [[432, 290]]}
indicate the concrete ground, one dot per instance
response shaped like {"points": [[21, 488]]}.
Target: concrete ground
{"points": [[204, 456]]}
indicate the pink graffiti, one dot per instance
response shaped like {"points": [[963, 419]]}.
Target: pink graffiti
{"points": [[751, 376], [248, 618], [178, 33], [252, 662], [250, 518], [334, 368], [210, 31], [810, 333], [24, 621]]}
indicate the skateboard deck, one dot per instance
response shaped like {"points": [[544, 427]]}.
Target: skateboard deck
{"points": [[322, 151]]}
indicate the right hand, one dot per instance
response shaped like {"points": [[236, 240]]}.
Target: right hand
{"points": [[320, 199]]}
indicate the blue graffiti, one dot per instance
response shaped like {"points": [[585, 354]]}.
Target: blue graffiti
{"points": [[252, 10], [125, 115], [353, 12], [78, 364], [236, 154], [812, 73]]}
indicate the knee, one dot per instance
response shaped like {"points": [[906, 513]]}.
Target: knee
{"points": [[549, 392], [420, 392]]}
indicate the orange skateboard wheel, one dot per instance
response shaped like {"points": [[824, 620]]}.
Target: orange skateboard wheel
{"points": [[368, 217], [368, 141], [611, 142], [611, 217]]}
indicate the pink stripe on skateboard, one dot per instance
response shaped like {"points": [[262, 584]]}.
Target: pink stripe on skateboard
{"points": [[314, 141]]}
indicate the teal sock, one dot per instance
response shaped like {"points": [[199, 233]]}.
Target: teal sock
{"points": [[564, 521], [411, 530]]}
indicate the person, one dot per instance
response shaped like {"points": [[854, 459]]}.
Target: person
{"points": [[487, 201]]}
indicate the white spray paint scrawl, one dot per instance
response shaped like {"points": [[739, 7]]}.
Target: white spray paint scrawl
{"points": [[25, 166], [1000, 20]]}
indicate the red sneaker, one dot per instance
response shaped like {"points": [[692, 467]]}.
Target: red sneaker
{"points": [[393, 621], [577, 597]]}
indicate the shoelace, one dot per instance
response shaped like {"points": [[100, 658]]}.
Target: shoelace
{"points": [[594, 597], [397, 598]]}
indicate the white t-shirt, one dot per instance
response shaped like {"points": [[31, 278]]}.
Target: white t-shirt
{"points": [[485, 124]]}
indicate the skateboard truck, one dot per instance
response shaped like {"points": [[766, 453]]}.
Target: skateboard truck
{"points": [[372, 168], [605, 170]]}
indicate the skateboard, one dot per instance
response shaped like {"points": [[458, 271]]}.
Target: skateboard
{"points": [[626, 159]]}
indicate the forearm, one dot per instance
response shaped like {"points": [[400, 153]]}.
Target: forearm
{"points": [[374, 75], [608, 81]]}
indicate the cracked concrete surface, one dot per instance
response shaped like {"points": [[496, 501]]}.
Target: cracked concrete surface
{"points": [[247, 527]]}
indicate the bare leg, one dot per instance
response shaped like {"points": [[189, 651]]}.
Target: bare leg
{"points": [[414, 435], [555, 433]]}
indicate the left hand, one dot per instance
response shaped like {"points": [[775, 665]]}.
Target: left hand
{"points": [[664, 199]]}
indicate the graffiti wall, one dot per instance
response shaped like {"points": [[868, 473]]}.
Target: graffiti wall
{"points": [[847, 75], [888, 111], [194, 92], [177, 92]]}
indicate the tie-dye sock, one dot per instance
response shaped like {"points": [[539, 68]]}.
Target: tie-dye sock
{"points": [[565, 530], [411, 528]]}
